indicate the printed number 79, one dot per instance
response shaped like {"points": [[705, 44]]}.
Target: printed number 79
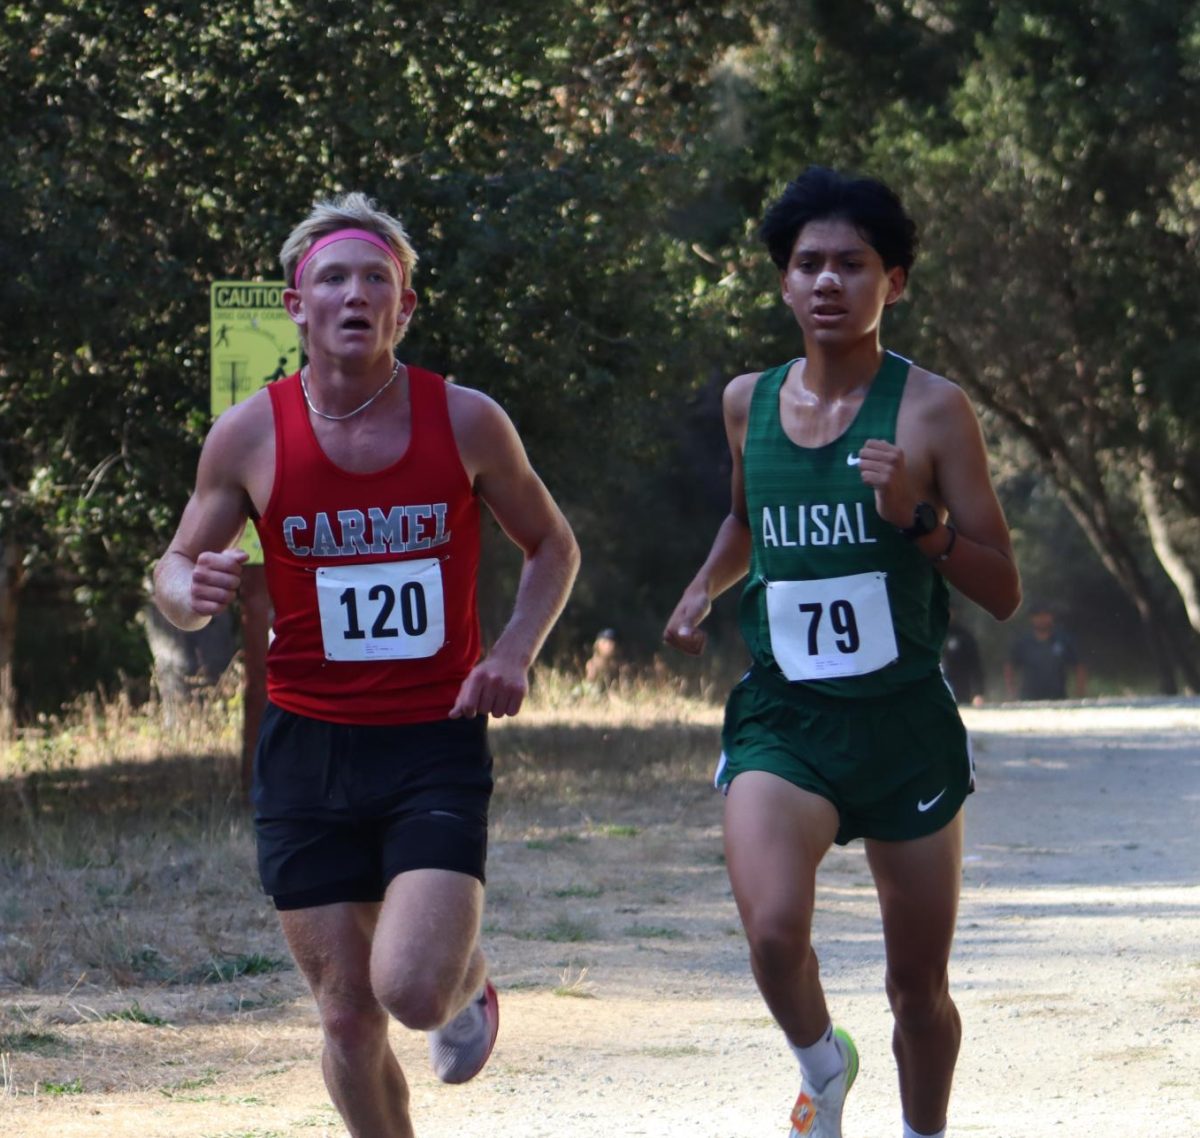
{"points": [[841, 617]]}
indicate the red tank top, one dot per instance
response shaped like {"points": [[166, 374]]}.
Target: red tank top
{"points": [[372, 576]]}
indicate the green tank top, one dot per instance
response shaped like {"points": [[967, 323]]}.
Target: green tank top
{"points": [[812, 520]]}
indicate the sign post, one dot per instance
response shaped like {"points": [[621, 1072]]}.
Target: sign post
{"points": [[253, 342]]}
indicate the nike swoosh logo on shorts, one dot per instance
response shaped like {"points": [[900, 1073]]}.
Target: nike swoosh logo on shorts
{"points": [[853, 460], [925, 806]]}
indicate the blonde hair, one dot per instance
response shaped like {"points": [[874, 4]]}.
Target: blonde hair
{"points": [[347, 211]]}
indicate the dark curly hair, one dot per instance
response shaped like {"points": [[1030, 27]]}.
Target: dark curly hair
{"points": [[872, 208]]}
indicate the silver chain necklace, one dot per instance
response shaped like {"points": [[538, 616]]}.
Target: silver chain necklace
{"points": [[361, 407]]}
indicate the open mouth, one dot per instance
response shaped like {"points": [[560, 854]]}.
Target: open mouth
{"points": [[356, 324]]}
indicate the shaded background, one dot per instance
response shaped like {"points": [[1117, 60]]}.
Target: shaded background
{"points": [[582, 182]]}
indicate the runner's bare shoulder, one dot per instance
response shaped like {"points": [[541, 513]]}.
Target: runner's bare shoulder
{"points": [[929, 397], [737, 396], [242, 437]]}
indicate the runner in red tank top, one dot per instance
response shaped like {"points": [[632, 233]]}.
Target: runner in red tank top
{"points": [[372, 775]]}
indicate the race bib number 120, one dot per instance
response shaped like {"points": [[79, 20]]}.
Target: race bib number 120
{"points": [[386, 611], [840, 626]]}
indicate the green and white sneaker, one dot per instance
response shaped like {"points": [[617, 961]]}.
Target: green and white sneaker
{"points": [[818, 1114]]}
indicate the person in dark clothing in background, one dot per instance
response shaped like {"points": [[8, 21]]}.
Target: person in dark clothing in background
{"points": [[962, 665], [1042, 659]]}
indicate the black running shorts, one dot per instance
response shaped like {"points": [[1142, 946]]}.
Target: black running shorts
{"points": [[340, 810]]}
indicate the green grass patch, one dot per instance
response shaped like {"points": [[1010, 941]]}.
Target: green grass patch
{"points": [[256, 1133], [136, 1014], [274, 1072], [653, 932], [311, 1121], [574, 984], [147, 961], [33, 1042], [617, 830], [573, 991], [221, 970], [552, 843], [206, 1080], [74, 1087], [563, 930], [578, 891], [243, 1006]]}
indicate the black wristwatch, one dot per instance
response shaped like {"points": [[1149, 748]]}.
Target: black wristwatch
{"points": [[925, 520]]}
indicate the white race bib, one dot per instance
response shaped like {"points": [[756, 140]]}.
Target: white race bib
{"points": [[391, 610], [840, 626]]}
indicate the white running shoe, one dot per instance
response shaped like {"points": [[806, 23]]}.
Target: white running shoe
{"points": [[818, 1114], [460, 1049]]}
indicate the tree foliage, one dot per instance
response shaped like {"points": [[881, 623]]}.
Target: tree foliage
{"points": [[530, 147], [582, 180], [1048, 149]]}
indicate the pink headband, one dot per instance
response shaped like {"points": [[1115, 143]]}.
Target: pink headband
{"points": [[347, 235]]}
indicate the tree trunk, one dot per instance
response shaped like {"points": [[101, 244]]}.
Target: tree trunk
{"points": [[187, 662], [255, 604], [1091, 512], [1172, 561], [10, 588], [1080, 482]]}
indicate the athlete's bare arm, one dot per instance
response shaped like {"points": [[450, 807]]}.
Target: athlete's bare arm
{"points": [[199, 574], [499, 469], [729, 558], [940, 457]]}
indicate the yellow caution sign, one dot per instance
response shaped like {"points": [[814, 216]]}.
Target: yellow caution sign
{"points": [[253, 342]]}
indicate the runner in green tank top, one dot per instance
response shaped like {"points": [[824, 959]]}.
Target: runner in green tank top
{"points": [[860, 488], [814, 517]]}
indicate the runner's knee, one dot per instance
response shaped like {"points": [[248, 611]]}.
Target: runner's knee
{"points": [[919, 998], [421, 1004], [777, 937], [354, 1028]]}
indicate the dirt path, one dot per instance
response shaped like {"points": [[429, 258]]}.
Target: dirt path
{"points": [[627, 1006]]}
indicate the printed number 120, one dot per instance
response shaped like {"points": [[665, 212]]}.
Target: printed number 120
{"points": [[414, 615]]}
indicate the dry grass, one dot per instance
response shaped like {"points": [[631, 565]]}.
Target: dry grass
{"points": [[107, 815], [145, 989], [129, 900], [126, 849], [574, 750]]}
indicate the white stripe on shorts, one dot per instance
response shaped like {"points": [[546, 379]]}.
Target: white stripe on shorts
{"points": [[721, 763]]}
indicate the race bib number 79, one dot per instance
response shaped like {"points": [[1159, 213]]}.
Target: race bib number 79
{"points": [[387, 611], [840, 626]]}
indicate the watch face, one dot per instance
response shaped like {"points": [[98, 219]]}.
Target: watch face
{"points": [[925, 520]]}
